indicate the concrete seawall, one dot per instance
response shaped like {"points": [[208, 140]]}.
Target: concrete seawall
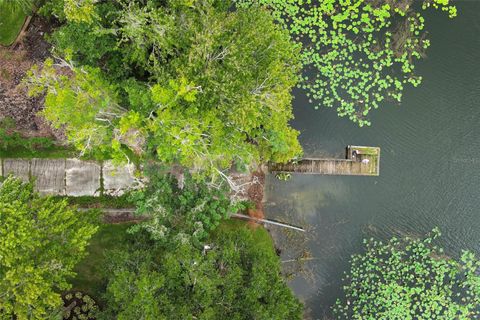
{"points": [[72, 177]]}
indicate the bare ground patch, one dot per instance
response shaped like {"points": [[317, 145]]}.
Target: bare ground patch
{"points": [[15, 61]]}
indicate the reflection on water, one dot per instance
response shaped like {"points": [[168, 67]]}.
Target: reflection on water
{"points": [[304, 201], [430, 167]]}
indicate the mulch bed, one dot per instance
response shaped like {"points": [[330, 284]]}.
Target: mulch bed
{"points": [[255, 195], [122, 218], [15, 61], [255, 191]]}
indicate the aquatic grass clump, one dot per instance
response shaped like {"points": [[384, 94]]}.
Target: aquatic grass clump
{"points": [[356, 53]]}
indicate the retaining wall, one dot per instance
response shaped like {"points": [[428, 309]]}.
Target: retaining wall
{"points": [[72, 177]]}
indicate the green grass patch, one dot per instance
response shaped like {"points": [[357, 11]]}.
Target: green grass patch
{"points": [[89, 270], [100, 202], [14, 145], [11, 22], [260, 234], [51, 151], [55, 152], [367, 150]]}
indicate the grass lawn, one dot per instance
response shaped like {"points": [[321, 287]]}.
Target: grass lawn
{"points": [[89, 273], [55, 152], [14, 145], [11, 23], [260, 234], [105, 201], [52, 152]]}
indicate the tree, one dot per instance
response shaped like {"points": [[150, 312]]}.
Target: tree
{"points": [[183, 211], [41, 240], [356, 54], [73, 10], [197, 84], [410, 279], [237, 276], [84, 89]]}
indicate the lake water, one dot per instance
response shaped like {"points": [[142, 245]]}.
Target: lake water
{"points": [[429, 170]]}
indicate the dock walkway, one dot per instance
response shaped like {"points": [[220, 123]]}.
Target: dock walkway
{"points": [[360, 161]]}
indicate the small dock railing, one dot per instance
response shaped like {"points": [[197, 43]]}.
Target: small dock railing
{"points": [[360, 161]]}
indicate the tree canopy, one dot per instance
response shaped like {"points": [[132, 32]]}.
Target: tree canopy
{"points": [[183, 211], [410, 279], [188, 82], [237, 276], [41, 240], [356, 54]]}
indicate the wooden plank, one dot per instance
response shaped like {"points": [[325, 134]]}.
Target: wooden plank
{"points": [[349, 166]]}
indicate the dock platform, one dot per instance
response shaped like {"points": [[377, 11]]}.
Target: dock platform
{"points": [[359, 161]]}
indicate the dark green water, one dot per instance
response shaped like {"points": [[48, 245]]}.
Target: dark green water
{"points": [[430, 165]]}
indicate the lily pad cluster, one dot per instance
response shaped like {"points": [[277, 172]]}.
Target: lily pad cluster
{"points": [[410, 279], [356, 53], [79, 306]]}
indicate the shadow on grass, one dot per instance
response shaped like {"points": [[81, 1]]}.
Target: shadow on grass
{"points": [[89, 270]]}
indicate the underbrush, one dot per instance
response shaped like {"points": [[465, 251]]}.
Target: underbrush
{"points": [[103, 201], [14, 145]]}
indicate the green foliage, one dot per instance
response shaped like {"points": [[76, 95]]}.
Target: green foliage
{"points": [[283, 176], [181, 211], [410, 279], [74, 10], [89, 276], [103, 201], [236, 277], [52, 8], [11, 140], [77, 40], [83, 103], [356, 53], [190, 82], [41, 240]]}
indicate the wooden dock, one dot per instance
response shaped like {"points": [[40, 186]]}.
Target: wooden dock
{"points": [[360, 161]]}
